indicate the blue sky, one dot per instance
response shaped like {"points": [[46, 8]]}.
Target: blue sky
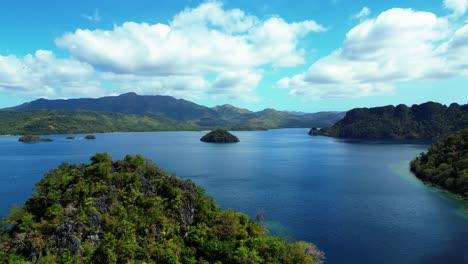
{"points": [[290, 55]]}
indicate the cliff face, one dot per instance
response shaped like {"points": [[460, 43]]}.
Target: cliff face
{"points": [[425, 121], [131, 211]]}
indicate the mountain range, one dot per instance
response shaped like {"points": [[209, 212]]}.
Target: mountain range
{"points": [[174, 114]]}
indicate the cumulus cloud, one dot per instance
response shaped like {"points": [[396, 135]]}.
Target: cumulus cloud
{"points": [[45, 75], [365, 11], [187, 87], [212, 14], [398, 45], [204, 41], [231, 85], [458, 7]]}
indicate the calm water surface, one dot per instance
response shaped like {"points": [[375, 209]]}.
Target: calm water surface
{"points": [[356, 201]]}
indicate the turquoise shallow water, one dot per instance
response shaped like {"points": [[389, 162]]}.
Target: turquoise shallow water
{"points": [[356, 200]]}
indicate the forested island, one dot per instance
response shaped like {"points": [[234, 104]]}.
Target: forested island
{"points": [[429, 121], [131, 211], [219, 136], [446, 164]]}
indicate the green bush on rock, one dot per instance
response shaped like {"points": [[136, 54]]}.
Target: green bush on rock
{"points": [[33, 139], [131, 211]]}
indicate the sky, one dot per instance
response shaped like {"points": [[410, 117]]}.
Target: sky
{"points": [[309, 56]]}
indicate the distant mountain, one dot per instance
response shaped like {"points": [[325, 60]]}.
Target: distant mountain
{"points": [[129, 103], [298, 113], [157, 106], [425, 121], [229, 108]]}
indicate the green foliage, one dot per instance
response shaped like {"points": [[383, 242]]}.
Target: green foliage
{"points": [[131, 211], [425, 121], [42, 122], [446, 163]]}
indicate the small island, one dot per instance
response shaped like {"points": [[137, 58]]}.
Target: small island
{"points": [[90, 137], [33, 139], [219, 136], [70, 137]]}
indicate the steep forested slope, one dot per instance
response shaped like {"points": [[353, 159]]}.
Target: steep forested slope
{"points": [[425, 121], [131, 211], [446, 163]]}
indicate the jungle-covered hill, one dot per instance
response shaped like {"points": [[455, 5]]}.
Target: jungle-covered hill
{"points": [[446, 163], [182, 113], [131, 211], [42, 122], [425, 121]]}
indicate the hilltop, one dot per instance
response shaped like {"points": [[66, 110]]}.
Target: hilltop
{"points": [[131, 211]]}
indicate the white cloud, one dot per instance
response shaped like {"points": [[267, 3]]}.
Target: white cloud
{"points": [[212, 14], [398, 45], [365, 11], [458, 7], [206, 42], [44, 75], [93, 17], [187, 87], [236, 85], [233, 85]]}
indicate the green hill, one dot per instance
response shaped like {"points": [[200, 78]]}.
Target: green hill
{"points": [[425, 121], [164, 108], [129, 103], [131, 211], [43, 122], [446, 163]]}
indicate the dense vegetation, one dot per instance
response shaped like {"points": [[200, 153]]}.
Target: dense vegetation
{"points": [[219, 136], [131, 211], [446, 163], [178, 114], [42, 122], [425, 121], [33, 139]]}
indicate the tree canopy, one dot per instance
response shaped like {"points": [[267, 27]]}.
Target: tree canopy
{"points": [[446, 163], [132, 211], [425, 121]]}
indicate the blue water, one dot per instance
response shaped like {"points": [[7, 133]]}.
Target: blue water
{"points": [[356, 201]]}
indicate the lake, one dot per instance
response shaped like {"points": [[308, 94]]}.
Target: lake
{"points": [[357, 201]]}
